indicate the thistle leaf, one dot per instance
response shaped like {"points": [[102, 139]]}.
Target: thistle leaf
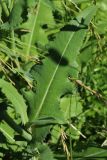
{"points": [[52, 75]]}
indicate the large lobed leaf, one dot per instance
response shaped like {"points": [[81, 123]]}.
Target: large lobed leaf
{"points": [[52, 75]]}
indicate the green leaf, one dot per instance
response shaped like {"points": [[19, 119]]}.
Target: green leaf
{"points": [[71, 106], [7, 132], [10, 121], [15, 98], [45, 121], [52, 75], [39, 14], [80, 1], [15, 16], [91, 153], [45, 152]]}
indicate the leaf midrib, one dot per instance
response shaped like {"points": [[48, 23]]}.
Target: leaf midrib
{"points": [[3, 131], [52, 78], [31, 36], [94, 154]]}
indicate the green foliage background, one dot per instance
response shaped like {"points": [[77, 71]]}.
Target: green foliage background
{"points": [[53, 102]]}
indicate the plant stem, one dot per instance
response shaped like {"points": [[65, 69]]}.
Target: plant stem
{"points": [[13, 47], [12, 41], [70, 139]]}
